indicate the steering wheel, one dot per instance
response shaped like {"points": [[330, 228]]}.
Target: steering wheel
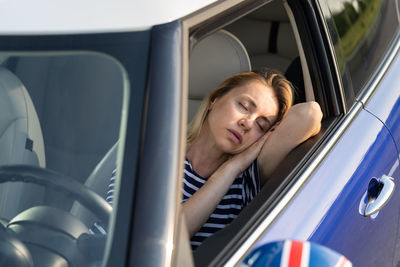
{"points": [[52, 236]]}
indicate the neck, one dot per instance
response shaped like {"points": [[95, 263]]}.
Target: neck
{"points": [[204, 155]]}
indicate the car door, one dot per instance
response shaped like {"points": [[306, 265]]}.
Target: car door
{"points": [[327, 208], [365, 152]]}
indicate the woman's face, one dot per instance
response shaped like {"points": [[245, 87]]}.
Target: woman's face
{"points": [[239, 118]]}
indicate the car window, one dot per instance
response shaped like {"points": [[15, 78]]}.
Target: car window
{"points": [[60, 117], [258, 40], [361, 31]]}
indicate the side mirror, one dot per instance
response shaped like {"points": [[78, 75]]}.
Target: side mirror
{"points": [[290, 253]]}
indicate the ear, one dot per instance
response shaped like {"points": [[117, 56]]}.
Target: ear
{"points": [[211, 105]]}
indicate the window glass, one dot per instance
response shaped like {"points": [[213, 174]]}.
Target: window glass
{"points": [[59, 116], [361, 31]]}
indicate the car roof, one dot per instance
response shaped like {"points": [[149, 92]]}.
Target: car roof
{"points": [[90, 16]]}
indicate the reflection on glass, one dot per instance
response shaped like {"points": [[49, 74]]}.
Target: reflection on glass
{"points": [[361, 32], [59, 115]]}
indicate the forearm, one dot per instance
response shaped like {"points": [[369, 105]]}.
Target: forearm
{"points": [[200, 205], [302, 122]]}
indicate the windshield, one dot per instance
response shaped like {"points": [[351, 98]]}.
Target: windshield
{"points": [[60, 117]]}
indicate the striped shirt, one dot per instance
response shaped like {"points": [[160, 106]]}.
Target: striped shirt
{"points": [[98, 227], [241, 192]]}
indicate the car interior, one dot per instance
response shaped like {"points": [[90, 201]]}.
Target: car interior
{"points": [[31, 131], [265, 38], [21, 139], [49, 119]]}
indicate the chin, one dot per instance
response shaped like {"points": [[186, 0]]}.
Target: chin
{"points": [[234, 150]]}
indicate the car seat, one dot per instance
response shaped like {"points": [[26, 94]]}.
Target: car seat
{"points": [[268, 37], [21, 142], [76, 96], [212, 60]]}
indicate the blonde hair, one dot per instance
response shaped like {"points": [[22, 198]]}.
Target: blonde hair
{"points": [[281, 87]]}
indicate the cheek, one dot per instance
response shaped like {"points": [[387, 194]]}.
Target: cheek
{"points": [[223, 113], [213, 118], [255, 135], [225, 109]]}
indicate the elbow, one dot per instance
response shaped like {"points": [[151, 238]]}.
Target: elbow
{"points": [[315, 116], [311, 113]]}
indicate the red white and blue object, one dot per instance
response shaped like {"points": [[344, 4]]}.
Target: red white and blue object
{"points": [[291, 253]]}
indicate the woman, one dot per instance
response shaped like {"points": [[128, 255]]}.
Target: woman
{"points": [[235, 143]]}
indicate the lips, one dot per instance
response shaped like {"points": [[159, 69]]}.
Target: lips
{"points": [[235, 136]]}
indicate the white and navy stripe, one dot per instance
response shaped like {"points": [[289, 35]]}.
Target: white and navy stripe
{"points": [[110, 191], [241, 192], [98, 227]]}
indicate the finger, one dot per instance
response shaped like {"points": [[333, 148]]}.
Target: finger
{"points": [[263, 138], [259, 143]]}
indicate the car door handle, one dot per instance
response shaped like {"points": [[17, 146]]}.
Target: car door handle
{"points": [[379, 193]]}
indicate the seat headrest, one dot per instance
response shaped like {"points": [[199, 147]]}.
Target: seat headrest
{"points": [[18, 118], [214, 59]]}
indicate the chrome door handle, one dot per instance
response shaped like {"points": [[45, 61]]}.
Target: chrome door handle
{"points": [[379, 194]]}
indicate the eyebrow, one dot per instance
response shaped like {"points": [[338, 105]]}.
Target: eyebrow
{"points": [[255, 106], [250, 101]]}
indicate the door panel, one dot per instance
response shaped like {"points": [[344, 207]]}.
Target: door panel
{"points": [[385, 102], [326, 209]]}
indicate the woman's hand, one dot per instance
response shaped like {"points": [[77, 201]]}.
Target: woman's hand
{"points": [[244, 159]]}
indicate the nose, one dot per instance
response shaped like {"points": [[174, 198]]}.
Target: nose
{"points": [[245, 123]]}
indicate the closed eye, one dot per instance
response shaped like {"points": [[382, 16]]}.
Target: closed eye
{"points": [[243, 106], [262, 128], [263, 124]]}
